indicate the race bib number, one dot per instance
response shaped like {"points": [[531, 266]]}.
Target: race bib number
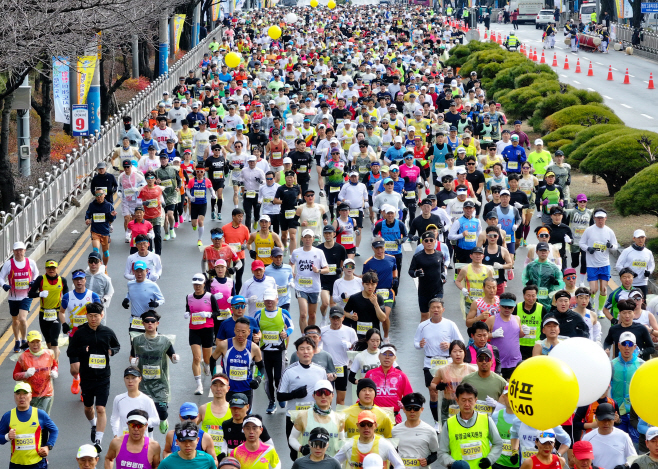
{"points": [[290, 214], [340, 371], [260, 304], [305, 281], [383, 292], [543, 293], [507, 448], [409, 462], [471, 451], [579, 231], [99, 217], [439, 166], [312, 223], [303, 406], [198, 319], [599, 246], [470, 237], [224, 314], [217, 435], [151, 372], [152, 203], [641, 264], [97, 362], [302, 169], [390, 246], [264, 252], [236, 246], [276, 155], [25, 442], [136, 323], [282, 291], [49, 314], [512, 165], [438, 361], [332, 269], [334, 189], [77, 321], [239, 373], [218, 174], [508, 238], [363, 170], [271, 337], [354, 213], [532, 334], [347, 239], [528, 453], [267, 201], [410, 195], [199, 194], [129, 194], [476, 293], [166, 183], [363, 327], [251, 194]]}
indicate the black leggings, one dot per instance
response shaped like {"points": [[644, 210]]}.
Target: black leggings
{"points": [[579, 258], [411, 205], [250, 203], [238, 276], [273, 361], [163, 410], [289, 426]]}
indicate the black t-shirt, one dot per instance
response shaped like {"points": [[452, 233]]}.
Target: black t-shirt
{"points": [[234, 436], [432, 264], [443, 196], [288, 196], [301, 159], [419, 224], [489, 206], [340, 114], [476, 178], [215, 166], [366, 311], [335, 256]]}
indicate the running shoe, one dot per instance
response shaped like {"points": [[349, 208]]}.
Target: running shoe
{"points": [[93, 433], [387, 341], [271, 408], [75, 387], [180, 219], [176, 225], [219, 216], [282, 404], [212, 215], [437, 427], [172, 234], [17, 346], [206, 369], [99, 448], [24, 345], [199, 243], [166, 237], [199, 390], [164, 426]]}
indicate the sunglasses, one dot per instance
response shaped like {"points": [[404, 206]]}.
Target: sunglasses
{"points": [[412, 408], [93, 261], [484, 358], [570, 277], [470, 164], [323, 393], [365, 424], [493, 236], [147, 177], [318, 444], [269, 179], [149, 321], [627, 343], [428, 240], [388, 354], [135, 425], [239, 306], [543, 236], [188, 417]]}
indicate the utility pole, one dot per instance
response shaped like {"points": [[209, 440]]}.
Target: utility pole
{"points": [[196, 25], [163, 54], [23, 131], [135, 48]]}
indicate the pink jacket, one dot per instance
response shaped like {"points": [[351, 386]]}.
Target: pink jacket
{"points": [[390, 388]]}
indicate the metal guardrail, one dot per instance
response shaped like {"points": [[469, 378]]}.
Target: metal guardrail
{"points": [[41, 207], [648, 44]]}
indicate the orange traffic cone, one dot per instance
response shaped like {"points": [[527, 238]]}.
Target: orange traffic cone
{"points": [[566, 62], [651, 87], [610, 73], [534, 55], [578, 66], [590, 72], [627, 79], [542, 60], [485, 34], [554, 64]]}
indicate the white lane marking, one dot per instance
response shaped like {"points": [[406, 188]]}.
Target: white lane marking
{"points": [[626, 106], [645, 82], [648, 117], [632, 76], [591, 89], [406, 247], [615, 69], [576, 82], [606, 97], [563, 75], [598, 63]]}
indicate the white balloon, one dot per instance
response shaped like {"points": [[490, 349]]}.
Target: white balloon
{"points": [[291, 18], [590, 364]]}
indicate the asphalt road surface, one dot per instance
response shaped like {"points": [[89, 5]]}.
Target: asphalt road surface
{"points": [[630, 102]]}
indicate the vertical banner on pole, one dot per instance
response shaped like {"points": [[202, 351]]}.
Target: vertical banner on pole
{"points": [[214, 10], [86, 67], [179, 21], [61, 90], [80, 120]]}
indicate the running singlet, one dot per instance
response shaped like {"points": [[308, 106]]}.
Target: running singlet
{"points": [[237, 365]]}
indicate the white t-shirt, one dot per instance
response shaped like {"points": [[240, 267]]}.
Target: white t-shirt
{"points": [[305, 279], [434, 334], [386, 451], [416, 442], [598, 238], [337, 342], [610, 450], [298, 375], [349, 287], [123, 404]]}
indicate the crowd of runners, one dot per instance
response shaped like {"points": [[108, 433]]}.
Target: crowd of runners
{"points": [[337, 126]]}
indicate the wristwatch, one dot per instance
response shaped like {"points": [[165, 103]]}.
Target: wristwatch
{"points": [[50, 447]]}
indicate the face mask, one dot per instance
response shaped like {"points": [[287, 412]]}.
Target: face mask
{"points": [[126, 126]]}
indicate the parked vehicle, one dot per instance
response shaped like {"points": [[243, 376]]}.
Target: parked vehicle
{"points": [[543, 18]]}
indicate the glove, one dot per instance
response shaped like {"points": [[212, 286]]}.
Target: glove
{"points": [[305, 450], [525, 329], [300, 392], [253, 298], [134, 361], [491, 401], [514, 459], [255, 382], [614, 321], [414, 238], [465, 292], [339, 271], [252, 254], [231, 270], [398, 241], [371, 187], [647, 273], [621, 466], [30, 372], [186, 315], [498, 333], [591, 250], [219, 296], [207, 314], [6, 287], [66, 328], [241, 165], [259, 180], [518, 205], [54, 374], [609, 245], [498, 265], [544, 202], [43, 294], [567, 239], [175, 358], [419, 273], [343, 296], [406, 179], [395, 282], [484, 463], [331, 172], [153, 303], [441, 386], [243, 246], [125, 303]]}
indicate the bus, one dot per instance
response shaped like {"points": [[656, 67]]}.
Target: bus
{"points": [[528, 9]]}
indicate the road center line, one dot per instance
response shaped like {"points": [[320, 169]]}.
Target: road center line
{"points": [[648, 117], [626, 106], [598, 63], [563, 75], [606, 97], [591, 89], [576, 82]]}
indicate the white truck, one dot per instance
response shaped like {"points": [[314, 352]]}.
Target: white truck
{"points": [[528, 9]]}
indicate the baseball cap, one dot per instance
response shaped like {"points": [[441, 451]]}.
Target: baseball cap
{"points": [[101, 165], [33, 335], [81, 274], [130, 371], [270, 295], [189, 409], [652, 433], [51, 263], [477, 250], [539, 141], [198, 279], [542, 247], [277, 251], [257, 264], [412, 398], [94, 255], [319, 434], [334, 311], [515, 137], [378, 244], [328, 229], [584, 450], [229, 462], [581, 197], [485, 351], [238, 400], [504, 192], [22, 386], [627, 336], [87, 451], [255, 420], [469, 203], [546, 436], [550, 319], [366, 416], [308, 232], [605, 411], [636, 234], [18, 245], [323, 384], [568, 272], [264, 218]]}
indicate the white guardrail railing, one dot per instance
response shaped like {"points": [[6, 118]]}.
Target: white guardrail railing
{"points": [[38, 210]]}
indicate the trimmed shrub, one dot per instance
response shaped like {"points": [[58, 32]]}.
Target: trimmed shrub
{"points": [[639, 195], [550, 105], [586, 134], [567, 132], [616, 161], [553, 147], [586, 148], [517, 102], [587, 97], [546, 87], [577, 114]]}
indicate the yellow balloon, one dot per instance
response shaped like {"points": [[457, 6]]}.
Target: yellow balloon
{"points": [[640, 392], [274, 32], [232, 59], [533, 387], [331, 4], [314, 3]]}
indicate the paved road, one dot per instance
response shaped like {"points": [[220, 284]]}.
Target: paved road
{"points": [[630, 102]]}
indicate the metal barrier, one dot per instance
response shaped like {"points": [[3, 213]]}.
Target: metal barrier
{"points": [[38, 210], [648, 46]]}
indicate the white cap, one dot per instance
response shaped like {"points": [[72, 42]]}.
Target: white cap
{"points": [[198, 279], [600, 213], [460, 170], [410, 128], [334, 140], [652, 433], [354, 173], [138, 418], [388, 208], [397, 139], [627, 336], [372, 461], [270, 295], [287, 160], [504, 192], [308, 232], [453, 83], [264, 217], [87, 451], [255, 420], [539, 141], [19, 245], [252, 158], [639, 234], [323, 384], [289, 121], [388, 348]]}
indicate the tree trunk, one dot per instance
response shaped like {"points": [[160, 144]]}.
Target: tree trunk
{"points": [[108, 89], [45, 112], [186, 36], [144, 60], [7, 189]]}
